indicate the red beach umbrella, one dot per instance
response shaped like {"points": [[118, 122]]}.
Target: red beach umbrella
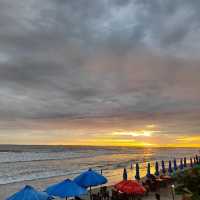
{"points": [[130, 187]]}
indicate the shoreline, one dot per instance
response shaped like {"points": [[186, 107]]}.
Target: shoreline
{"points": [[40, 184], [112, 172]]}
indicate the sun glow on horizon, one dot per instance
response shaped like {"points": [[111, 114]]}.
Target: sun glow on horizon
{"points": [[149, 136], [139, 133], [189, 139], [122, 143]]}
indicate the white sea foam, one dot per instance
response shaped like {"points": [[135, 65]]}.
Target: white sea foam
{"points": [[40, 163]]}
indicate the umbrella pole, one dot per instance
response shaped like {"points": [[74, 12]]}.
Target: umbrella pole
{"points": [[90, 193], [66, 198]]}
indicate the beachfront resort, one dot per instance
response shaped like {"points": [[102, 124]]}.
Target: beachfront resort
{"points": [[171, 180]]}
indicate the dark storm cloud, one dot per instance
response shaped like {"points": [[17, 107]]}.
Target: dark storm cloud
{"points": [[84, 59]]}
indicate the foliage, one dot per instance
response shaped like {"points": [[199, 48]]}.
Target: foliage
{"points": [[188, 182]]}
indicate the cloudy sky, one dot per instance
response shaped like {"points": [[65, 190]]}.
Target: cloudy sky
{"points": [[109, 72]]}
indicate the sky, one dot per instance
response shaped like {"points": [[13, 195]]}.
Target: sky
{"points": [[109, 72]]}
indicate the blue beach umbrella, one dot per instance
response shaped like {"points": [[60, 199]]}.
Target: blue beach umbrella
{"points": [[163, 167], [170, 167], [191, 162], [90, 178], [66, 188], [137, 169], [29, 193], [148, 170], [185, 162], [181, 164], [125, 176], [175, 165], [156, 169]]}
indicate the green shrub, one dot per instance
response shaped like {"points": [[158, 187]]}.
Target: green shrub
{"points": [[188, 182]]}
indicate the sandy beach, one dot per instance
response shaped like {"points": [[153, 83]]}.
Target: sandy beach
{"points": [[165, 193], [5, 190]]}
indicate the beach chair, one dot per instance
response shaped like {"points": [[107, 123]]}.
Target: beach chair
{"points": [[96, 196], [114, 195], [151, 185], [104, 193]]}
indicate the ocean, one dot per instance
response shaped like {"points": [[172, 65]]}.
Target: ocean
{"points": [[44, 165]]}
